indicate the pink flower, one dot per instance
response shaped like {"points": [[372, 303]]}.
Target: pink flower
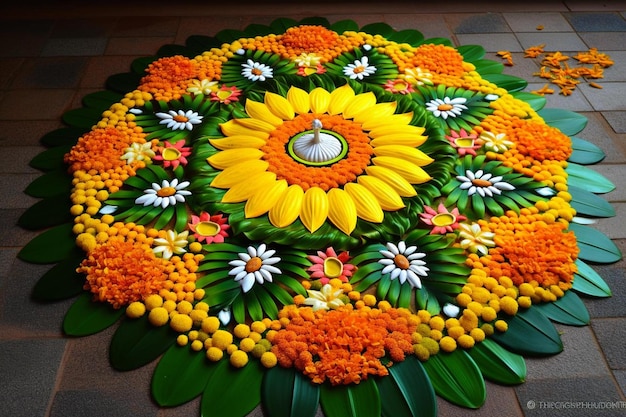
{"points": [[306, 70], [328, 265], [173, 155], [209, 229], [464, 143], [226, 95], [398, 86], [442, 220]]}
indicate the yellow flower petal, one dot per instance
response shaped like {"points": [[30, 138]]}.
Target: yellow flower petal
{"points": [[246, 189], [410, 154], [262, 112], [232, 128], [378, 110], [392, 129], [399, 139], [287, 208], [236, 142], [299, 100], [238, 173], [412, 173], [255, 124], [393, 179], [342, 210], [230, 157], [320, 100], [339, 99], [401, 119], [314, 208], [387, 197], [279, 105], [263, 200], [367, 206], [358, 104]]}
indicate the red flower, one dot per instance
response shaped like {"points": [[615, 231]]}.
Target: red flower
{"points": [[442, 220], [226, 95], [464, 143], [173, 154], [209, 229], [329, 265]]}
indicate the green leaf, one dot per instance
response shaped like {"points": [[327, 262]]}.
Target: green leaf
{"points": [[456, 377], [354, 400], [498, 364], [588, 179], [471, 53], [407, 391], [536, 101], [588, 203], [82, 117], [53, 245], [530, 332], [568, 309], [136, 343], [567, 121], [61, 281], [63, 136], [180, 376], [51, 159], [585, 152], [410, 36], [86, 317], [594, 245], [508, 82], [344, 25], [232, 391], [50, 184], [46, 213], [380, 28], [589, 282], [123, 83], [102, 100], [288, 393]]}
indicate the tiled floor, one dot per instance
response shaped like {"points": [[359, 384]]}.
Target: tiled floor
{"points": [[54, 53]]}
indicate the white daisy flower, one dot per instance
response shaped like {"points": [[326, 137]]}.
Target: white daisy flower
{"points": [[483, 183], [179, 120], [448, 107], [255, 71], [168, 193], [173, 243], [138, 152], [404, 263], [359, 69], [257, 265]]}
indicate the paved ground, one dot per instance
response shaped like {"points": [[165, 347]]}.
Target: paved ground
{"points": [[56, 53]]}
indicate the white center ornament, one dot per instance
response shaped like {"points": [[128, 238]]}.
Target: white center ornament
{"points": [[318, 147]]}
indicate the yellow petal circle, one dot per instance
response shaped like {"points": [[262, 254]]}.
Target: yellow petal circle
{"points": [[260, 111], [314, 210], [320, 100], [393, 129], [279, 105], [410, 154], [339, 99], [399, 119], [287, 208], [263, 200], [412, 173], [299, 100], [245, 190], [341, 210], [367, 206], [232, 128], [398, 139], [359, 103], [393, 179], [239, 173], [380, 110], [387, 197], [232, 142], [230, 157]]}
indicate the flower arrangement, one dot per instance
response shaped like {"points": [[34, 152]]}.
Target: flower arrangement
{"points": [[320, 212]]}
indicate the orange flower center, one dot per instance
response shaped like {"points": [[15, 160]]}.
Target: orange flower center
{"points": [[181, 118], [481, 183], [256, 71], [359, 69], [444, 219], [166, 191], [207, 228], [445, 107], [333, 267], [171, 154], [401, 261], [254, 264]]}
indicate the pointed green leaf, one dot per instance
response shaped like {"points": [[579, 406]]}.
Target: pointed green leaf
{"points": [[354, 400], [498, 364], [232, 391], [588, 179], [488, 66], [594, 245], [471, 53], [82, 117], [410, 36], [344, 26], [136, 343], [180, 376], [63, 136], [456, 377], [380, 28], [568, 309], [508, 82], [50, 184], [102, 100], [585, 152], [589, 282], [53, 245], [288, 393], [588, 203], [51, 159], [530, 332], [123, 83], [46, 213], [61, 281], [86, 317], [536, 101], [567, 121], [407, 391]]}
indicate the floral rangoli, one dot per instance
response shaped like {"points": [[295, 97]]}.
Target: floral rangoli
{"points": [[310, 214]]}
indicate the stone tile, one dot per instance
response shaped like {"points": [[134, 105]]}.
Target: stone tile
{"points": [[616, 72], [615, 277], [610, 333], [74, 46], [431, 25], [12, 188], [100, 68], [501, 401], [29, 369], [91, 402], [596, 22], [83, 27], [20, 133], [620, 376], [9, 68], [600, 134], [18, 105], [617, 120], [137, 46], [615, 174], [604, 41], [29, 35], [554, 41], [7, 255], [522, 67], [57, 72], [504, 41], [576, 102], [609, 98], [12, 235], [477, 23], [528, 22], [155, 26], [613, 227], [16, 159]]}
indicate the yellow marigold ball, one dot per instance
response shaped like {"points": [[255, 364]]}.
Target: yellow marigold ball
{"points": [[258, 326], [475, 307], [524, 301], [508, 305], [384, 305], [135, 310], [477, 334], [501, 325], [269, 360], [447, 344], [416, 337], [181, 323], [423, 329], [487, 328], [153, 301], [437, 323], [184, 307], [258, 350], [198, 315], [239, 359], [369, 300], [489, 314], [482, 295], [86, 241], [463, 299], [431, 345], [197, 345], [466, 341], [456, 331], [451, 322], [271, 334], [247, 344], [221, 339], [214, 354], [255, 336], [526, 289], [195, 247], [169, 305], [182, 340], [436, 334], [76, 209], [201, 306], [210, 324], [158, 316], [421, 352], [198, 294], [241, 330], [193, 335], [425, 317]]}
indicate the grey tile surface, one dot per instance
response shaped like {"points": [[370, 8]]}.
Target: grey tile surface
{"points": [[504, 41], [480, 23], [553, 41], [614, 306], [611, 333], [609, 98], [74, 46], [528, 22], [604, 41], [92, 402], [617, 120], [596, 22]]}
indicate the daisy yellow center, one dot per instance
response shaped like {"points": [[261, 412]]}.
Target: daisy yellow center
{"points": [[401, 261], [254, 264], [445, 107], [444, 219], [481, 183], [464, 142], [180, 118], [359, 69], [166, 191], [256, 71], [208, 228], [333, 267], [171, 154]]}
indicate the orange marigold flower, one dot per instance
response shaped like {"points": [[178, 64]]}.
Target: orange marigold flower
{"points": [[168, 77], [438, 59]]}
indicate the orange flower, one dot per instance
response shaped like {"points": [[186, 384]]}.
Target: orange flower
{"points": [[438, 59], [168, 77]]}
